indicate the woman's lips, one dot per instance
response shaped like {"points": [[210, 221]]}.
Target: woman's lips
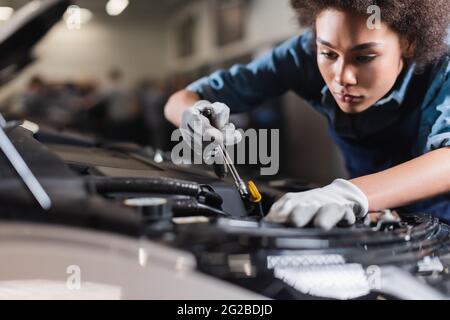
{"points": [[348, 98]]}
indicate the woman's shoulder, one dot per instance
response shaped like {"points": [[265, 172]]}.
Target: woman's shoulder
{"points": [[442, 68], [302, 44], [435, 128], [297, 60], [443, 64], [439, 83]]}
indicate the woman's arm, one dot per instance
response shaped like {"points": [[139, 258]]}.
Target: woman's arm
{"points": [[418, 179]]}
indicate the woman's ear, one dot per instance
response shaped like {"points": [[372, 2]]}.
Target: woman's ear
{"points": [[408, 47]]}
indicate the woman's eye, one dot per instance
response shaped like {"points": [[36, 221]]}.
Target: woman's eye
{"points": [[365, 59], [329, 55]]}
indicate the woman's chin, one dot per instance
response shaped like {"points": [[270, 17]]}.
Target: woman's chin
{"points": [[352, 108]]}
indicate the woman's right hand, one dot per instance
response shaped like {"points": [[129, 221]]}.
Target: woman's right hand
{"points": [[199, 130]]}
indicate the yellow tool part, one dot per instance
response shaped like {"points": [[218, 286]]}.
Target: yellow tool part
{"points": [[255, 195]]}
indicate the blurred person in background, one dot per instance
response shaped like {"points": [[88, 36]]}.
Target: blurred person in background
{"points": [[152, 96], [117, 97], [119, 108], [35, 99]]}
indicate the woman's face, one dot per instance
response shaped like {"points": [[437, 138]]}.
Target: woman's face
{"points": [[359, 65]]}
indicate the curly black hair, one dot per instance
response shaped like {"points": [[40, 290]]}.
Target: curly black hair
{"points": [[424, 23]]}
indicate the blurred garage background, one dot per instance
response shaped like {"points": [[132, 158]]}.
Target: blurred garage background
{"points": [[109, 67]]}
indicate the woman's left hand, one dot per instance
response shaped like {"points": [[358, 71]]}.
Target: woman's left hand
{"points": [[341, 201]]}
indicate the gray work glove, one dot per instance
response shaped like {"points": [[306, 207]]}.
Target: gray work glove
{"points": [[198, 131], [341, 201]]}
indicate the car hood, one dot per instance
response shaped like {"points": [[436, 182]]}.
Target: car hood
{"points": [[25, 29]]}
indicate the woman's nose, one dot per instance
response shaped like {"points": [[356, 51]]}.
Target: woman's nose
{"points": [[344, 74]]}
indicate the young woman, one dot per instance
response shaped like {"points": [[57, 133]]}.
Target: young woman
{"points": [[385, 91]]}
